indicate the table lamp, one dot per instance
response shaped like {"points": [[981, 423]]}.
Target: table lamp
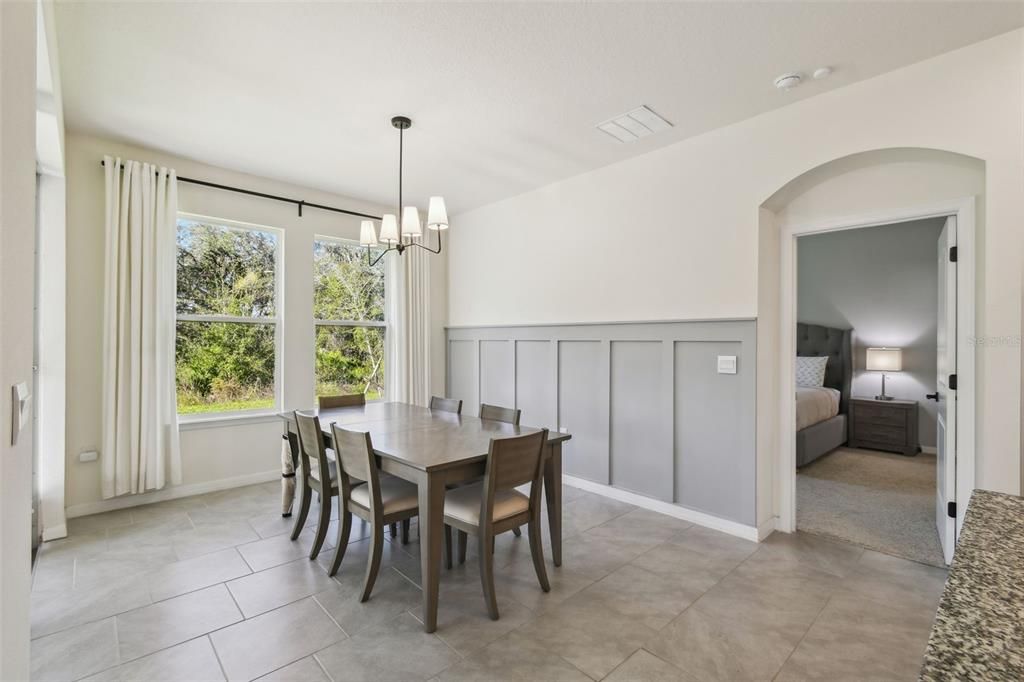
{"points": [[884, 360]]}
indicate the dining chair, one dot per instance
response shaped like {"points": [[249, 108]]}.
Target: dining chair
{"points": [[502, 414], [494, 506], [446, 404], [319, 473], [327, 402], [383, 500]]}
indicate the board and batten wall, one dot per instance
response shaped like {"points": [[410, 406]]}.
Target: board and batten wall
{"points": [[646, 407]]}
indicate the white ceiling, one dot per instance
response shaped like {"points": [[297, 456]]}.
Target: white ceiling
{"points": [[504, 96]]}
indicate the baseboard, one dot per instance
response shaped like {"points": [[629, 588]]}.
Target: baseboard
{"points": [[55, 532], [700, 518], [172, 493], [929, 449], [766, 528]]}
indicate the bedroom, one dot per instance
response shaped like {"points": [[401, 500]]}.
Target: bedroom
{"points": [[866, 455]]}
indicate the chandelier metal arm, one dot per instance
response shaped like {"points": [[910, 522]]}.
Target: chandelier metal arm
{"points": [[402, 247]]}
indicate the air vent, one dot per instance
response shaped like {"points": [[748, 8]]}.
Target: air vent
{"points": [[633, 125]]}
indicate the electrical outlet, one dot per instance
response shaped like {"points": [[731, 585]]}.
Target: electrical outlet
{"points": [[88, 456]]}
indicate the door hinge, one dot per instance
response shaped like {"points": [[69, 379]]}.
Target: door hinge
{"points": [[952, 382], [951, 510], [952, 254]]}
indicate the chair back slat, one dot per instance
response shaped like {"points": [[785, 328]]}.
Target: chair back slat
{"points": [[327, 402], [515, 461], [446, 404], [312, 451], [500, 414], [354, 452]]}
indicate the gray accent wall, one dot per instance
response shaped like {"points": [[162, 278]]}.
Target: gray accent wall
{"points": [[644, 402], [882, 283]]}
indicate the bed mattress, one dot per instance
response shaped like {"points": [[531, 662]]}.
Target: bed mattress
{"points": [[815, 405]]}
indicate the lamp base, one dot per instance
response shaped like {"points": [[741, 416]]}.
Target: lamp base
{"points": [[883, 397]]}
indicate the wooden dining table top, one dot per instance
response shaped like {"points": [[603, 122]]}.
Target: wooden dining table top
{"points": [[422, 438]]}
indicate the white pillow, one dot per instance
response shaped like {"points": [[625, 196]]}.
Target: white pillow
{"points": [[810, 372]]}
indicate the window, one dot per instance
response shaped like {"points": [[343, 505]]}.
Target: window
{"points": [[348, 311], [226, 355]]}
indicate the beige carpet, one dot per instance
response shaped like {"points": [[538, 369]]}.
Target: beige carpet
{"points": [[882, 501]]}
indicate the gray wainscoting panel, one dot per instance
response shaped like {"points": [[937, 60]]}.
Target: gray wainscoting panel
{"points": [[644, 402], [583, 407], [463, 379], [639, 439], [497, 373], [713, 470], [537, 383]]}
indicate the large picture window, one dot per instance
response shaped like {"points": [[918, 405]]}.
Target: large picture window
{"points": [[226, 353], [348, 312]]}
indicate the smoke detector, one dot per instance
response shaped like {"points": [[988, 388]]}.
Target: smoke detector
{"points": [[788, 81]]}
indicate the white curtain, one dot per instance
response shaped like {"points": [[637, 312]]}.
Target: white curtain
{"points": [[407, 357], [140, 423]]}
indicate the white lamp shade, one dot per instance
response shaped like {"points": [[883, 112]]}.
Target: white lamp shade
{"points": [[389, 228], [437, 214], [885, 360], [411, 226], [367, 235]]}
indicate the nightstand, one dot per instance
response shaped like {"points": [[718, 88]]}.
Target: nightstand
{"points": [[884, 425]]}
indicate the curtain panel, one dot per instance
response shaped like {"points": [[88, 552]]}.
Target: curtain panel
{"points": [[407, 343], [140, 449]]}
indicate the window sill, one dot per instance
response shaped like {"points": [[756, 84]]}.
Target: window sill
{"points": [[226, 420]]}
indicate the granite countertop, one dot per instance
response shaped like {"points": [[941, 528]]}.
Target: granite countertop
{"points": [[979, 627]]}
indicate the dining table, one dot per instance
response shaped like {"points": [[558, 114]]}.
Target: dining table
{"points": [[435, 450]]}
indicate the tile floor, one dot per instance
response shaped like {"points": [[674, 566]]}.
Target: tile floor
{"points": [[211, 588]]}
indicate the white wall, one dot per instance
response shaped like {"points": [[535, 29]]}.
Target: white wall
{"points": [[881, 282], [677, 233], [17, 237], [221, 454]]}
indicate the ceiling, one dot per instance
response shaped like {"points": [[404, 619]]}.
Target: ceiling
{"points": [[504, 96]]}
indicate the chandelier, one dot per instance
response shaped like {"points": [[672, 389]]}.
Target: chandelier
{"points": [[412, 228]]}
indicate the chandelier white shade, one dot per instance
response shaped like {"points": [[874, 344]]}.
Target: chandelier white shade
{"points": [[437, 214], [411, 226], [389, 229], [367, 235]]}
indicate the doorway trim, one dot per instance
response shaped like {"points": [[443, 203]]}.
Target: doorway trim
{"points": [[964, 210]]}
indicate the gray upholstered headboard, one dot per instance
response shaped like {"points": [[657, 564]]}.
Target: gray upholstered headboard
{"points": [[816, 340]]}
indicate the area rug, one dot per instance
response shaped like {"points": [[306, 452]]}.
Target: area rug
{"points": [[878, 500]]}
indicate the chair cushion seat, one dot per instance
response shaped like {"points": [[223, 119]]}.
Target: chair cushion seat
{"points": [[396, 495], [463, 503]]}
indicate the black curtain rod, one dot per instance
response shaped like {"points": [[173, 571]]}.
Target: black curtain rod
{"points": [[263, 195]]}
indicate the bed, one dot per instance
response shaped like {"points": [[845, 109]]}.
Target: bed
{"points": [[822, 412]]}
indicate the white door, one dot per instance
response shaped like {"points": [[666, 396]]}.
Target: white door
{"points": [[945, 474]]}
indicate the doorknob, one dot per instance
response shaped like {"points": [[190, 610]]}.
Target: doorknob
{"points": [[932, 396]]}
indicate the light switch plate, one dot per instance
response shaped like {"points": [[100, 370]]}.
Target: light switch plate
{"points": [[726, 364], [88, 456]]}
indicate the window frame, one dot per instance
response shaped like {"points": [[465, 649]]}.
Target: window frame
{"points": [[277, 320], [381, 324]]}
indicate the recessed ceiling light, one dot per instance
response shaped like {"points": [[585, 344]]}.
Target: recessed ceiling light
{"points": [[823, 72], [788, 81], [633, 125]]}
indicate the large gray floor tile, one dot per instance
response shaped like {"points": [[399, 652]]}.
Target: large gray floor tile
{"points": [[644, 666], [99, 522], [75, 545], [587, 634], [193, 661], [212, 537], [304, 670], [894, 581], [586, 512], [176, 620], [167, 509], [858, 639], [393, 555], [263, 644], [396, 650], [596, 557], [266, 590], [463, 623], [75, 653], [829, 556], [632, 594], [513, 658], [61, 609], [281, 549], [690, 565], [641, 522], [393, 594], [193, 574], [115, 565], [154, 532], [518, 581]]}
